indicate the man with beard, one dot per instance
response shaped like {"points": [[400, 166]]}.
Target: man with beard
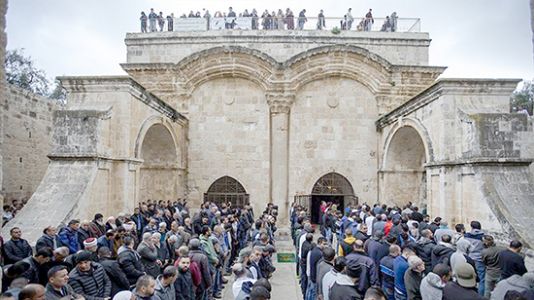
{"points": [[184, 282], [145, 288], [97, 226]]}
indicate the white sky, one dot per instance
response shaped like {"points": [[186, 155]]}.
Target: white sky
{"points": [[474, 38]]}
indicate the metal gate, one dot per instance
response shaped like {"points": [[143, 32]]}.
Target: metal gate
{"points": [[227, 189]]}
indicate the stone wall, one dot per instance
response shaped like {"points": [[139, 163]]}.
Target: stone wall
{"points": [[400, 48], [331, 130], [229, 136], [3, 43], [27, 136], [475, 160]]}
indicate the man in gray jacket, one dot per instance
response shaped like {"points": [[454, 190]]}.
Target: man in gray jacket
{"points": [[165, 284], [323, 267], [433, 283]]}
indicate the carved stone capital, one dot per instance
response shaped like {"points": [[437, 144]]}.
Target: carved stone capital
{"points": [[280, 102]]}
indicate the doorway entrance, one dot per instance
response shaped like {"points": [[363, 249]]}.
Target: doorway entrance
{"points": [[334, 189]]}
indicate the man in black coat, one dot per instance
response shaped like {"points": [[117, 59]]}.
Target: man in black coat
{"points": [[49, 239], [130, 261], [119, 281], [16, 248], [441, 254], [183, 285], [511, 262], [424, 247], [307, 246], [89, 279], [38, 266], [369, 272]]}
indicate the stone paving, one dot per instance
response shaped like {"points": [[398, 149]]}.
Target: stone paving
{"points": [[284, 282]]}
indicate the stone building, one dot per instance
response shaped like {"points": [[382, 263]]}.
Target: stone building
{"points": [[27, 134], [3, 92], [282, 116]]}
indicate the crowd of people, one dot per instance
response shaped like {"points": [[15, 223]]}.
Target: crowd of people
{"points": [[380, 252], [161, 251], [275, 20]]}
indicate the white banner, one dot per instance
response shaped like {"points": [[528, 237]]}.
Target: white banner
{"points": [[226, 23], [190, 24]]}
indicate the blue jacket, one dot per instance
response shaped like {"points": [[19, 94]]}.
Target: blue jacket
{"points": [[369, 273], [69, 239], [400, 265], [388, 275]]}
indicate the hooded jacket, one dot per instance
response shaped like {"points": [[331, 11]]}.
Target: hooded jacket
{"points": [[475, 238], [512, 283], [164, 292], [432, 287], [345, 247], [344, 289], [441, 254]]}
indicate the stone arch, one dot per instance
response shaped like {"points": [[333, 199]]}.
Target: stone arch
{"points": [[345, 61], [421, 132], [406, 151], [227, 189], [159, 171], [146, 125], [233, 61], [332, 187]]}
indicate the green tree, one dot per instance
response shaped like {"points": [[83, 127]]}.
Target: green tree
{"points": [[523, 97], [22, 72]]}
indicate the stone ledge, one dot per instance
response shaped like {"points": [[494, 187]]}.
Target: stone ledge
{"points": [[481, 161]]}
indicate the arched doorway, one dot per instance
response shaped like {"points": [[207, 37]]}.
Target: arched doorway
{"points": [[403, 172], [159, 171], [227, 189], [331, 188]]}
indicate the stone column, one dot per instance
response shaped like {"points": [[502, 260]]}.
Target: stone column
{"points": [[280, 105]]}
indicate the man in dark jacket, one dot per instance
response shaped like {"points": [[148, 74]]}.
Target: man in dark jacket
{"points": [[130, 261], [119, 281], [387, 273], [183, 285], [84, 232], [465, 286], [307, 246], [490, 258], [69, 236], [346, 285], [197, 256], [511, 262], [49, 239], [16, 248], [37, 265], [441, 254], [413, 277], [424, 247], [315, 255], [89, 279], [369, 272]]}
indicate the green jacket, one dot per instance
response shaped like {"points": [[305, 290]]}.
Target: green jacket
{"points": [[207, 246]]}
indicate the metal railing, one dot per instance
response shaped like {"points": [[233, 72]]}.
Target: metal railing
{"points": [[295, 23]]}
